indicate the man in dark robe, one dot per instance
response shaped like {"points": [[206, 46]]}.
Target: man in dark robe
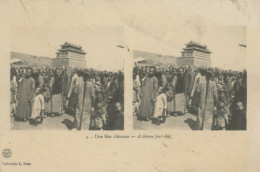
{"points": [[25, 96], [149, 89], [158, 75], [179, 88], [56, 99]]}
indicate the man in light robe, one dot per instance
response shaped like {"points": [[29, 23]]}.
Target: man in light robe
{"points": [[189, 80], [208, 101], [25, 96], [89, 101], [149, 89], [79, 91], [66, 79]]}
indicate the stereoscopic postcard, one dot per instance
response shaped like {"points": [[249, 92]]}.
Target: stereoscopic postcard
{"points": [[118, 85]]}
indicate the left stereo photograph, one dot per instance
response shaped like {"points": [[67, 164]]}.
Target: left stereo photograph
{"points": [[65, 78]]}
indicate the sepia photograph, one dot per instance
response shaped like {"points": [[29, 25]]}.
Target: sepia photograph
{"points": [[123, 86], [59, 79], [191, 82]]}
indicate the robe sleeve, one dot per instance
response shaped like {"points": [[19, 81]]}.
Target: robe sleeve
{"points": [[164, 80], [191, 82], [174, 81], [40, 80], [69, 78], [51, 84], [42, 102], [155, 87], [32, 90], [199, 88], [92, 95], [73, 82], [215, 93], [103, 116], [164, 98]]}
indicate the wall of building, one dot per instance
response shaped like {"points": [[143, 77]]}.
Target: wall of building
{"points": [[77, 63], [32, 59], [75, 55], [181, 61], [60, 62], [155, 58]]}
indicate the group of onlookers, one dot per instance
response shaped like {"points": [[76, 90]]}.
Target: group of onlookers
{"points": [[94, 98], [217, 97]]}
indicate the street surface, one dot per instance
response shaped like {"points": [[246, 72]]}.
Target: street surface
{"points": [[184, 122], [63, 122]]}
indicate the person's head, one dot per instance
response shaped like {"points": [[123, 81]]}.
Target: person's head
{"points": [[98, 104], [202, 72], [239, 106], [174, 71], [221, 104], [118, 106], [38, 91], [151, 71], [44, 91], [92, 77], [209, 75], [171, 69], [86, 76], [157, 69], [63, 68], [80, 73], [28, 72], [160, 90], [135, 70], [57, 72], [34, 70], [180, 71], [40, 71], [44, 75], [186, 67], [47, 70], [20, 71], [163, 70]]}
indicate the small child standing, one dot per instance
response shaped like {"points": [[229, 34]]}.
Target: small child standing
{"points": [[37, 107], [98, 117], [221, 116], [160, 106]]}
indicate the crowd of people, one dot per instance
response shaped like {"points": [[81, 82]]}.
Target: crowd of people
{"points": [[94, 98], [218, 98]]}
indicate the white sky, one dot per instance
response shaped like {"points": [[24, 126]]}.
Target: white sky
{"points": [[159, 26], [99, 43]]}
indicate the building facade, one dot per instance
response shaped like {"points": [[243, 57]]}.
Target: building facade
{"points": [[70, 55], [195, 54]]}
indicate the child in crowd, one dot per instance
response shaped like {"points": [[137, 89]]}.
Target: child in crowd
{"points": [[118, 118], [47, 101], [221, 116], [98, 117], [160, 106], [37, 107]]}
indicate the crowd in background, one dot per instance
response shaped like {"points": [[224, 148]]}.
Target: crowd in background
{"points": [[218, 98], [94, 98]]}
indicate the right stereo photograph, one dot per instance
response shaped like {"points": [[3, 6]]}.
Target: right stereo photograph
{"points": [[190, 79]]}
